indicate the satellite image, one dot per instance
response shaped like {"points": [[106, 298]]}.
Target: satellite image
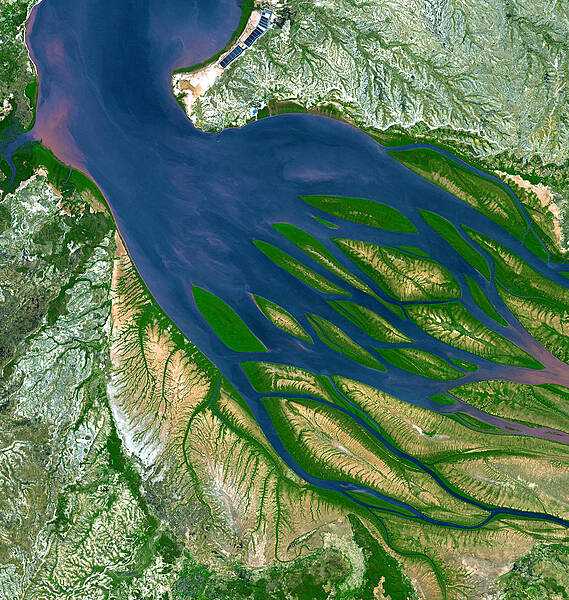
{"points": [[284, 299]]}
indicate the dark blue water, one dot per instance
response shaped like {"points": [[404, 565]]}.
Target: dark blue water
{"points": [[188, 204]]}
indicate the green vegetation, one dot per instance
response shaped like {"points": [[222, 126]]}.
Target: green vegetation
{"points": [[534, 405], [451, 99], [464, 364], [474, 424], [484, 195], [541, 574], [328, 444], [362, 211], [299, 270], [452, 324], [468, 452], [341, 342], [286, 379], [401, 275], [414, 250], [515, 275], [281, 318], [458, 103], [481, 300], [247, 7], [369, 322], [319, 253], [308, 578], [226, 323], [442, 400], [419, 362], [381, 504], [487, 197], [85, 520], [535, 245], [538, 303], [38, 268], [275, 107], [216, 465], [380, 567], [451, 235], [541, 214], [325, 222], [16, 78], [69, 485], [394, 308], [75, 187]]}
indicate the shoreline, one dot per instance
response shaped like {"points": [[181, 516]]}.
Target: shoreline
{"points": [[396, 136], [247, 8], [189, 84]]}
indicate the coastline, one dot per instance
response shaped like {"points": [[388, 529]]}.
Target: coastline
{"points": [[247, 7], [190, 84]]}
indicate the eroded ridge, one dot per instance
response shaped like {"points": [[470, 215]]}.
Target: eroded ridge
{"points": [[206, 459], [209, 464], [398, 428]]}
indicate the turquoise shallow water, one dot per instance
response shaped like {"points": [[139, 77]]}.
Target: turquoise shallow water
{"points": [[188, 204]]}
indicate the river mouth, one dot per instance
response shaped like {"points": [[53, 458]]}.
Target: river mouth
{"points": [[190, 205]]}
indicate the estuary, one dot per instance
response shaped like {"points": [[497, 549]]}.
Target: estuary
{"points": [[201, 211]]}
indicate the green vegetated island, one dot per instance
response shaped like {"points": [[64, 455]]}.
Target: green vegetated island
{"points": [[131, 468]]}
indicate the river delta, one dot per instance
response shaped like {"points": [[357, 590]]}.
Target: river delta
{"points": [[302, 351]]}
